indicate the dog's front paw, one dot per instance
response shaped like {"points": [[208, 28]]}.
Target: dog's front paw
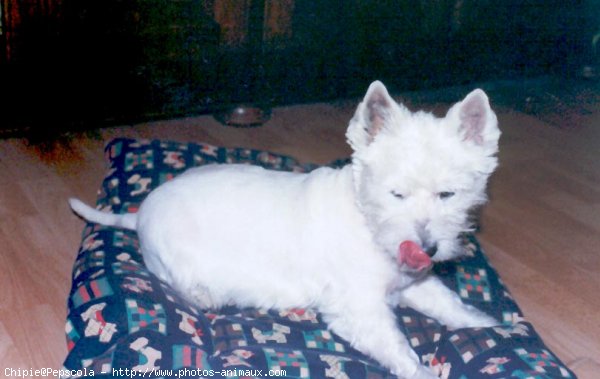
{"points": [[482, 320], [423, 373], [486, 321], [474, 318]]}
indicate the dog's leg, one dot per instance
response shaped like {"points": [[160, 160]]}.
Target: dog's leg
{"points": [[371, 328], [432, 298]]}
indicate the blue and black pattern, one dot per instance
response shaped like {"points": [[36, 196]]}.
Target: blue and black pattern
{"points": [[123, 317]]}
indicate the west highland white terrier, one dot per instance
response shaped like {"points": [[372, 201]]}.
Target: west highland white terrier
{"points": [[352, 242]]}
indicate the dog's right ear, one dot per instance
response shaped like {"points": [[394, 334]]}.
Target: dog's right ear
{"points": [[477, 122], [371, 116]]}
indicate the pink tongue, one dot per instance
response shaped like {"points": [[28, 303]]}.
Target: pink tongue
{"points": [[411, 254]]}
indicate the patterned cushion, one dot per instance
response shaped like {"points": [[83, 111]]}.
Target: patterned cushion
{"points": [[122, 318]]}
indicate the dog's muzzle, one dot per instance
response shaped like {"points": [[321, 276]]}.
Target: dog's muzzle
{"points": [[429, 246], [431, 250]]}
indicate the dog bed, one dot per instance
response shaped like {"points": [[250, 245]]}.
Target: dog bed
{"points": [[123, 319]]}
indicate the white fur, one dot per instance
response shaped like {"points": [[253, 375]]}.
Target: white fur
{"points": [[240, 234]]}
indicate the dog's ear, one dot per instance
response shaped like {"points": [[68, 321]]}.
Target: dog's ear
{"points": [[371, 116], [476, 121]]}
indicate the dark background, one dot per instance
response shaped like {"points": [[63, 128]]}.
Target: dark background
{"points": [[80, 64]]}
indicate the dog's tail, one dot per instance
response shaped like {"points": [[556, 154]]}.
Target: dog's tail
{"points": [[125, 221]]}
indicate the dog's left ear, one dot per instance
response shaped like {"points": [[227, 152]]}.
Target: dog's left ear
{"points": [[370, 117], [476, 121]]}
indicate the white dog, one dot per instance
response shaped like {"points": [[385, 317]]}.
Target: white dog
{"points": [[348, 241]]}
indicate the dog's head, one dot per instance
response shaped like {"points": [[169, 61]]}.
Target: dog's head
{"points": [[418, 177]]}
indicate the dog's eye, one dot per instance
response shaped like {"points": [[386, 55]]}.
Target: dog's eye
{"points": [[397, 195], [445, 195]]}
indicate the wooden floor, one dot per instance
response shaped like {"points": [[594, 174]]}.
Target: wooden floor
{"points": [[541, 229]]}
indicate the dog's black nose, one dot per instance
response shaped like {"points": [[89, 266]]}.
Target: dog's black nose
{"points": [[431, 250]]}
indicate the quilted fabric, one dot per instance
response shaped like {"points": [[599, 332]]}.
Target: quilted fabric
{"points": [[123, 320]]}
